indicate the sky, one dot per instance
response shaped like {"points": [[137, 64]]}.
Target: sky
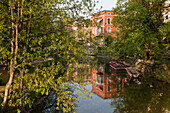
{"points": [[107, 4]]}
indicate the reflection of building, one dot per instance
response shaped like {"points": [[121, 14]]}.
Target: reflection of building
{"points": [[107, 86], [81, 73]]}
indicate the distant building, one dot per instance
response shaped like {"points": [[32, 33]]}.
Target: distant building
{"points": [[102, 23], [80, 30], [166, 13]]}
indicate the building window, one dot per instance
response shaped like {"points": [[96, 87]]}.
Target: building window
{"points": [[108, 13], [108, 20], [93, 76], [108, 80], [108, 29], [108, 88], [101, 87], [96, 30], [93, 30], [94, 83], [102, 30], [99, 79]]}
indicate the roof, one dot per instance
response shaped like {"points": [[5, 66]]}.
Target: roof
{"points": [[106, 11], [103, 11]]}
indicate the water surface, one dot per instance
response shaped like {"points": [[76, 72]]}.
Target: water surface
{"points": [[113, 91]]}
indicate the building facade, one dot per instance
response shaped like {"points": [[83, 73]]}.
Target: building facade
{"points": [[102, 24], [166, 13]]}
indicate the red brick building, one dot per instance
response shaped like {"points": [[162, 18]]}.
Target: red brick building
{"points": [[101, 24]]}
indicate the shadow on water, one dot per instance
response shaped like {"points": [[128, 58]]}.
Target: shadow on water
{"points": [[113, 91]]}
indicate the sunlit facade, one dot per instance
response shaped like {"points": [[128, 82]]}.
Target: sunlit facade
{"points": [[102, 24]]}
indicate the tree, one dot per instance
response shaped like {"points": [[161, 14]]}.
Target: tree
{"points": [[142, 30], [33, 30], [108, 40]]}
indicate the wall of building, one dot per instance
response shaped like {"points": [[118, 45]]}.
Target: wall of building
{"points": [[103, 16]]}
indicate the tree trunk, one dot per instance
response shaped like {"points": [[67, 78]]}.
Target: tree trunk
{"points": [[7, 91], [12, 62]]}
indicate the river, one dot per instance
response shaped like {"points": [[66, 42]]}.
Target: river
{"points": [[112, 91]]}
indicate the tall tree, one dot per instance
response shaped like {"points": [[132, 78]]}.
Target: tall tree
{"points": [[142, 30], [33, 30]]}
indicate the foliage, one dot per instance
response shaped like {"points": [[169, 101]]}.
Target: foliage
{"points": [[108, 40], [30, 32], [0, 80], [141, 98], [142, 30]]}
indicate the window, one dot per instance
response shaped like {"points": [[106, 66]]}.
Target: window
{"points": [[108, 13], [108, 29], [101, 29], [96, 30], [93, 83], [93, 31], [108, 88], [108, 80], [99, 79], [108, 20], [93, 76], [101, 87]]}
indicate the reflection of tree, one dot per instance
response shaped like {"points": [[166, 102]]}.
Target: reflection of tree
{"points": [[142, 99]]}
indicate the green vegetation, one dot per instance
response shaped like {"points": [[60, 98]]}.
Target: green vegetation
{"points": [[108, 40], [143, 34], [32, 31], [141, 98]]}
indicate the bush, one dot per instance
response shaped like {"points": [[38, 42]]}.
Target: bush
{"points": [[0, 80], [108, 40]]}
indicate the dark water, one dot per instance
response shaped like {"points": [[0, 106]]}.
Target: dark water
{"points": [[114, 92]]}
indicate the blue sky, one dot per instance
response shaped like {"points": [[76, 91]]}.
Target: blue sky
{"points": [[107, 4]]}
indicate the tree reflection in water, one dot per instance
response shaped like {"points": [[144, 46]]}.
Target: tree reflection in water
{"points": [[113, 88], [143, 99], [132, 96]]}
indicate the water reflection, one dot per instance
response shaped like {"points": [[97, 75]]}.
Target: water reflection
{"points": [[108, 85], [113, 91]]}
